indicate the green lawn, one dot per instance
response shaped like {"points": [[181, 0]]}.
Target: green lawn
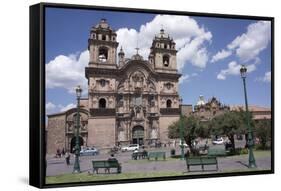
{"points": [[83, 177], [257, 154]]}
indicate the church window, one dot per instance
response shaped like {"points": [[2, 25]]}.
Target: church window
{"points": [[103, 37], [169, 103], [103, 54], [120, 100], [165, 46], [151, 100], [137, 99], [166, 60], [102, 103], [102, 82]]}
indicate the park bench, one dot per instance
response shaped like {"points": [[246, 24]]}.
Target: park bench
{"points": [[219, 151], [139, 155], [201, 161], [156, 155], [106, 165]]}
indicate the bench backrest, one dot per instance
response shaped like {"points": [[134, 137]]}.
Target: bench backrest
{"points": [[201, 160], [216, 152], [105, 164], [156, 154], [193, 160], [209, 160]]}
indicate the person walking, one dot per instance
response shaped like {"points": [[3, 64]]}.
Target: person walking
{"points": [[67, 158]]}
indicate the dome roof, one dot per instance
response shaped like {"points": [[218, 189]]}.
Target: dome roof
{"points": [[201, 100]]}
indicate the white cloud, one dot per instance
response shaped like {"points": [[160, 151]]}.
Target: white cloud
{"points": [[187, 78], [52, 108], [67, 107], [67, 71], [248, 45], [184, 78], [221, 55], [266, 78], [194, 74], [189, 37], [234, 69]]}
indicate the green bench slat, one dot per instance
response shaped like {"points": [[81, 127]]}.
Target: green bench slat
{"points": [[216, 152], [202, 161], [106, 164], [156, 155]]}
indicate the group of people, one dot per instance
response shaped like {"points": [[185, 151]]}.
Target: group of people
{"points": [[63, 153], [60, 153]]}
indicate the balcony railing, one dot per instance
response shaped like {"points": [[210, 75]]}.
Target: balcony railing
{"points": [[102, 112], [170, 111]]}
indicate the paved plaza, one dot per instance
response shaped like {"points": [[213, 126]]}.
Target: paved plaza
{"points": [[57, 166]]}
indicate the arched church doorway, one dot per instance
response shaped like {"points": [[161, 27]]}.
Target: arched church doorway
{"points": [[138, 135], [73, 142]]}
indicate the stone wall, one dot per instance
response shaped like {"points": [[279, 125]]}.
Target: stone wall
{"points": [[56, 133], [164, 123], [101, 132]]}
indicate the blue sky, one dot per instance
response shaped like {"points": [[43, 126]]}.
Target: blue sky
{"points": [[210, 51]]}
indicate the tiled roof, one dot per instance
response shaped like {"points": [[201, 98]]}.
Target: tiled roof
{"points": [[252, 108]]}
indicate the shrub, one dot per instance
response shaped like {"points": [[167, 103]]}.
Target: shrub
{"points": [[262, 147]]}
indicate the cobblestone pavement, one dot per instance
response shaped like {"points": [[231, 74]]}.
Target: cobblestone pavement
{"points": [[57, 166]]}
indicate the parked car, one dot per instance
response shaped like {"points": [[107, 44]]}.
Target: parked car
{"points": [[89, 151], [218, 141], [130, 147]]}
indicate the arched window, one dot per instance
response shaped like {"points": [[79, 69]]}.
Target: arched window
{"points": [[166, 60], [169, 103], [102, 103], [103, 54], [103, 37]]}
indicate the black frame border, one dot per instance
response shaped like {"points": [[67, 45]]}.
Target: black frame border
{"points": [[37, 147]]}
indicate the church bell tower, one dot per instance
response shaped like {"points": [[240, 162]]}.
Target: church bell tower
{"points": [[163, 53], [102, 46]]}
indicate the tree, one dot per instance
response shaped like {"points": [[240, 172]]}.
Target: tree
{"points": [[192, 128], [230, 124], [263, 132]]}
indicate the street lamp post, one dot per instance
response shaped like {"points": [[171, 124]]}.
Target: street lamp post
{"points": [[181, 132], [76, 168], [250, 141]]}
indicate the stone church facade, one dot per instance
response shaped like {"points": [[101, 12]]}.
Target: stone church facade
{"points": [[130, 100], [210, 109]]}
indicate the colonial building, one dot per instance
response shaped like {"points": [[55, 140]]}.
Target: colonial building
{"points": [[130, 100], [206, 110], [210, 109], [258, 112]]}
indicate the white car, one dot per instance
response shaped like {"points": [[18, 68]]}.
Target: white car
{"points": [[132, 147], [218, 141], [89, 151]]}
